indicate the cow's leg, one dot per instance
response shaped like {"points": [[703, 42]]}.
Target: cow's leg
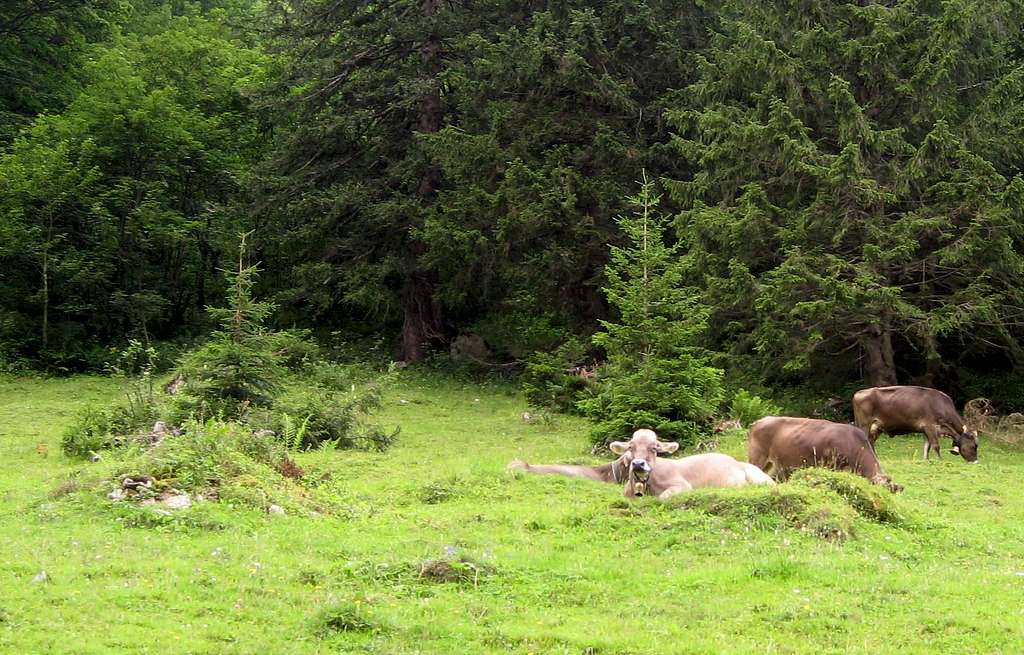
{"points": [[758, 456], [876, 428], [676, 489], [931, 441]]}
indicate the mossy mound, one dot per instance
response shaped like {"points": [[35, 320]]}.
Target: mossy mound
{"points": [[869, 500]]}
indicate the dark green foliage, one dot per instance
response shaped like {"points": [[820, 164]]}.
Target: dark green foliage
{"points": [[121, 424], [42, 46], [98, 429], [657, 374], [239, 367], [311, 415], [557, 379], [462, 162], [114, 211], [854, 195]]}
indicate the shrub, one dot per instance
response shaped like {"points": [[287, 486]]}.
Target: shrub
{"points": [[95, 429], [747, 407], [552, 379], [347, 616]]}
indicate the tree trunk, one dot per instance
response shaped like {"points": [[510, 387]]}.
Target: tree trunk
{"points": [[46, 298], [422, 316], [881, 367]]}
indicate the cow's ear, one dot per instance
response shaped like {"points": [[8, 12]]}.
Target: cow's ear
{"points": [[618, 447], [667, 447]]}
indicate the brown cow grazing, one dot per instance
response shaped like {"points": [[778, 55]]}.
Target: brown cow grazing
{"points": [[903, 410], [780, 444], [642, 473]]}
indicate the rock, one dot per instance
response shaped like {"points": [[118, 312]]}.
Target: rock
{"points": [[471, 347], [41, 577], [137, 482], [117, 494], [94, 457], [275, 509], [527, 417], [178, 501], [159, 427]]}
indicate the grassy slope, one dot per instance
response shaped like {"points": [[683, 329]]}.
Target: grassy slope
{"points": [[574, 570]]}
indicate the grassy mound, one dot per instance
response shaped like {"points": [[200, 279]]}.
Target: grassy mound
{"points": [[208, 461], [869, 500], [820, 513], [828, 504]]}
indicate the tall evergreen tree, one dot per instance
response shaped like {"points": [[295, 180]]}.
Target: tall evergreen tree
{"points": [[365, 81], [443, 160], [857, 188]]}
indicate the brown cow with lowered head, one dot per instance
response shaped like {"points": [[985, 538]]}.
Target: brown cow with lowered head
{"points": [[903, 410], [643, 473], [780, 444]]}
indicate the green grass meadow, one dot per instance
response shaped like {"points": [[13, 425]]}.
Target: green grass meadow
{"points": [[433, 548]]}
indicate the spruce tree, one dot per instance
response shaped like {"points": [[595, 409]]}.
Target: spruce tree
{"points": [[657, 374]]}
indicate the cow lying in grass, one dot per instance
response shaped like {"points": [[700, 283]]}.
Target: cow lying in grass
{"points": [[780, 444], [643, 473]]}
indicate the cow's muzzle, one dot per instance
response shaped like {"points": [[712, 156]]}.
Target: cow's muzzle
{"points": [[641, 470]]}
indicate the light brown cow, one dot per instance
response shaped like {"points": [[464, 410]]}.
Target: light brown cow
{"points": [[780, 444], [905, 409], [642, 472]]}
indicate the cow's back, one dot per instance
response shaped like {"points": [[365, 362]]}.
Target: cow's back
{"points": [[902, 409], [789, 443], [718, 470]]}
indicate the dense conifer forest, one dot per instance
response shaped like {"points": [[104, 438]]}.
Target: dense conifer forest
{"points": [[837, 185]]}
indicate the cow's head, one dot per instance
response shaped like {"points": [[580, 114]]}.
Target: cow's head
{"points": [[639, 454], [965, 444]]}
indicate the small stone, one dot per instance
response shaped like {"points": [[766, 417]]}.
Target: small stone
{"points": [[94, 457], [41, 577], [528, 417], [275, 509], [116, 494], [159, 427], [178, 501], [403, 401]]}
